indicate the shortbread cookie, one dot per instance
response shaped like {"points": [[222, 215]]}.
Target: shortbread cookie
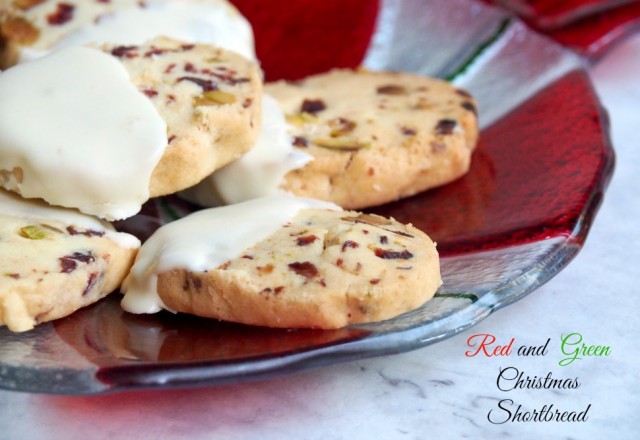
{"points": [[308, 265], [31, 28], [210, 99], [376, 136], [55, 261], [150, 120]]}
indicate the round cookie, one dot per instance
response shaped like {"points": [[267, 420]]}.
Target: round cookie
{"points": [[324, 268], [210, 99], [376, 136], [30, 28], [204, 103], [55, 261]]}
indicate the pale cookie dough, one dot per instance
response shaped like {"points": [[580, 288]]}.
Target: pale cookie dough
{"points": [[324, 268], [31, 28], [209, 98], [376, 136], [54, 261]]}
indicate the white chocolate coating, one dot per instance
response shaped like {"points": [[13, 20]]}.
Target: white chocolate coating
{"points": [[204, 240], [258, 173], [82, 134]]}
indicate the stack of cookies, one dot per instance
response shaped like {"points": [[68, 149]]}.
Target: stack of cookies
{"points": [[104, 105]]}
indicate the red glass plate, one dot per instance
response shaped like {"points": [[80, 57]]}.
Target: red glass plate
{"points": [[589, 27], [595, 35], [552, 14], [519, 216]]}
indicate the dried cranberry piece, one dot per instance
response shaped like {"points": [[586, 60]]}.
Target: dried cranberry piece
{"points": [[408, 131], [63, 14], [123, 51], [300, 142], [206, 84], [312, 106], [469, 106], [349, 244], [69, 263], [393, 255], [91, 281], [306, 240], [306, 269], [445, 126], [154, 51], [229, 78], [150, 92], [87, 232]]}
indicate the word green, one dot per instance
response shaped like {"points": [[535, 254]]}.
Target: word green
{"points": [[573, 347]]}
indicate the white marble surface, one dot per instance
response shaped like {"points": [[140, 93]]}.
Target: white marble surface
{"points": [[436, 391]]}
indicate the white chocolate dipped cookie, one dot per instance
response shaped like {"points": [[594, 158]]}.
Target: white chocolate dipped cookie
{"points": [[150, 120], [376, 137], [258, 173], [282, 261], [210, 99], [54, 261], [31, 28]]}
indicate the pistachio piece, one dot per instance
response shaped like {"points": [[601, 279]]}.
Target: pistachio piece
{"points": [[341, 143], [214, 97], [341, 126], [216, 57], [300, 119], [33, 232], [19, 30]]}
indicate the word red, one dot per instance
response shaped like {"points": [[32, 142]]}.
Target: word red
{"points": [[482, 342]]}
